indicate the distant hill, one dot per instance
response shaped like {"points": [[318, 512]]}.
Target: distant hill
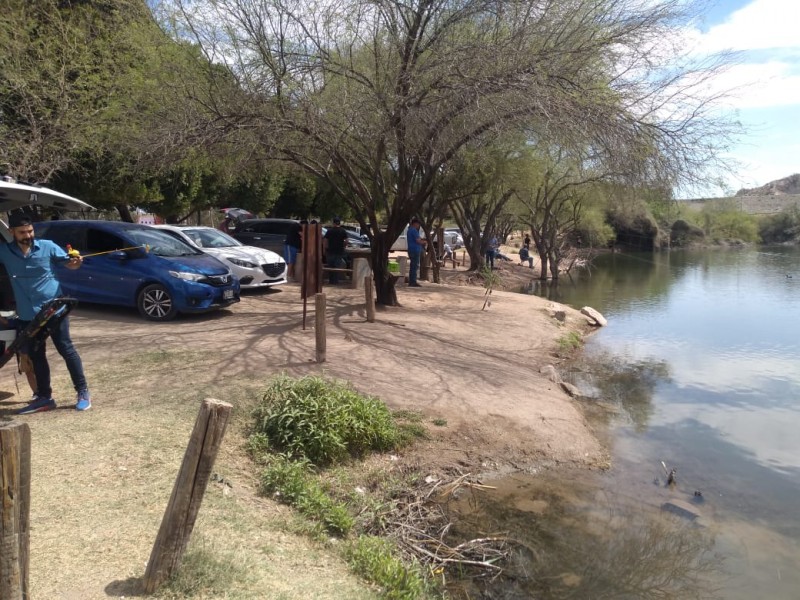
{"points": [[780, 187]]}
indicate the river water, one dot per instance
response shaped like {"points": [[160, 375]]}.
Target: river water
{"points": [[699, 367]]}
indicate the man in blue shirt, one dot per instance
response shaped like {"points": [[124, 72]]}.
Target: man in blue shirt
{"points": [[416, 245], [29, 263]]}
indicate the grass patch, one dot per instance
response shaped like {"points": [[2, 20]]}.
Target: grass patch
{"points": [[324, 422], [440, 422], [203, 574], [570, 341], [291, 482], [374, 559]]}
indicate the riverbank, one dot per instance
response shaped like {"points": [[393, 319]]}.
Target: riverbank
{"points": [[101, 480]]}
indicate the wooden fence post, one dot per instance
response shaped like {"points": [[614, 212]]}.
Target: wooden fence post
{"points": [[370, 297], [15, 508], [319, 316], [187, 495]]}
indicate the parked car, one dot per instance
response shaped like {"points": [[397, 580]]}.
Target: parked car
{"points": [[255, 267], [453, 237], [354, 239], [401, 243], [126, 264], [264, 233]]}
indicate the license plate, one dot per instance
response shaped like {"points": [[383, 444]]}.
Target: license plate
{"points": [[227, 294]]}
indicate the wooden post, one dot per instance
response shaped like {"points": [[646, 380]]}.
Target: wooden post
{"points": [[370, 296], [187, 495], [319, 308], [15, 508]]}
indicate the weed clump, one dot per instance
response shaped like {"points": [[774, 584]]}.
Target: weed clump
{"points": [[373, 558], [292, 483], [324, 422]]}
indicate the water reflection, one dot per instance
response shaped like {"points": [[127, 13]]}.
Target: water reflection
{"points": [[573, 541], [701, 360]]}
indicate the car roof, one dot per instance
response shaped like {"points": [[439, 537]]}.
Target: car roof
{"points": [[109, 225], [268, 219]]}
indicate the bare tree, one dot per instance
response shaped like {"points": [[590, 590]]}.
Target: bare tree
{"points": [[375, 96]]}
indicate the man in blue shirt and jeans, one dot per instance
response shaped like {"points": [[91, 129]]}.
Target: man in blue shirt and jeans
{"points": [[416, 245], [29, 263]]}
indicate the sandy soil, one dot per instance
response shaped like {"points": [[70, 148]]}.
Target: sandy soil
{"points": [[101, 479]]}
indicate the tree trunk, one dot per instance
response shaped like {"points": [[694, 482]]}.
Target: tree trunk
{"points": [[384, 281], [125, 213]]}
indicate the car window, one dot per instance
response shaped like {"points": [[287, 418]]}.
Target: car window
{"points": [[159, 243], [99, 240], [211, 238], [72, 235]]}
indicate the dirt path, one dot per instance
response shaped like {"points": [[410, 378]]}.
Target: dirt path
{"points": [[101, 480]]}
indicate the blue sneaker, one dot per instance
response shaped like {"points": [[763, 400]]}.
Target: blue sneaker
{"points": [[38, 404], [84, 400]]}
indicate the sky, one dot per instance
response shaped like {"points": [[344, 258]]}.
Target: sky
{"points": [[766, 33]]}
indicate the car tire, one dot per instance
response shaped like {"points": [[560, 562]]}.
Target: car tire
{"points": [[155, 303]]}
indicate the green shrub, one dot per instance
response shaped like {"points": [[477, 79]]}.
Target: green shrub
{"points": [[780, 228], [322, 421], [373, 558], [291, 483], [570, 341]]}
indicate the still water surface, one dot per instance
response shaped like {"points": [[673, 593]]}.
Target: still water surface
{"points": [[700, 367]]}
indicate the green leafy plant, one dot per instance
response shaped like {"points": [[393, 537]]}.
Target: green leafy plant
{"points": [[439, 422], [570, 341], [291, 482], [322, 421], [374, 559]]}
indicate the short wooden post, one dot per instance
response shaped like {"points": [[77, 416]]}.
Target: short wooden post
{"points": [[15, 508], [319, 308], [370, 296], [187, 495]]}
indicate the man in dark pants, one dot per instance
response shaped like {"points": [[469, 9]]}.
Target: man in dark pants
{"points": [[29, 263], [334, 244]]}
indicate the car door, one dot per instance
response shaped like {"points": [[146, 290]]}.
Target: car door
{"points": [[74, 282], [114, 277]]}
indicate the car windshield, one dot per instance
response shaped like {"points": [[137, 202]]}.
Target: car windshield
{"points": [[210, 238], [160, 243]]}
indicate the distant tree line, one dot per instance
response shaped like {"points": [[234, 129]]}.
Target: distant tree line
{"points": [[571, 119]]}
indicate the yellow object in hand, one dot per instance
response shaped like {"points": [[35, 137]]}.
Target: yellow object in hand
{"points": [[71, 252]]}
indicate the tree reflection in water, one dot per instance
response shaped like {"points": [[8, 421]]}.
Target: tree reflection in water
{"points": [[626, 387], [574, 547]]}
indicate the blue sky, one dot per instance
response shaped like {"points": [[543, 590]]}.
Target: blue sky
{"points": [[766, 33]]}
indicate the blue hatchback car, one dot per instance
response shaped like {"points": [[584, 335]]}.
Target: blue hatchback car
{"points": [[137, 265]]}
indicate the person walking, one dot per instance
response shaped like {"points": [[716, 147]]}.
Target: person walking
{"points": [[29, 263], [334, 243], [416, 246]]}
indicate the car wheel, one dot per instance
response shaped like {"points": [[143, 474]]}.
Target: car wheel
{"points": [[155, 303]]}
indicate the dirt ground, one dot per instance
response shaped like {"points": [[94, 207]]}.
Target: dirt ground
{"points": [[102, 479]]}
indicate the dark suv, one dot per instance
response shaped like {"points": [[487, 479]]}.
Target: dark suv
{"points": [[264, 233]]}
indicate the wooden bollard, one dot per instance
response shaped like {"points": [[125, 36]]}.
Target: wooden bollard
{"points": [[187, 495], [319, 327], [370, 297], [15, 509]]}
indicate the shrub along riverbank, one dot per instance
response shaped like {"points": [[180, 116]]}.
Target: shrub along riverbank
{"points": [[312, 438]]}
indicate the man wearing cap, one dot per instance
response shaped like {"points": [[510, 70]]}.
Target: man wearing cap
{"points": [[416, 246], [29, 263], [334, 244]]}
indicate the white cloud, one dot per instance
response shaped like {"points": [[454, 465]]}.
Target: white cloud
{"points": [[761, 25], [758, 85]]}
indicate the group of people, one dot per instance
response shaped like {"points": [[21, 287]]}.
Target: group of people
{"points": [[334, 244], [30, 266]]}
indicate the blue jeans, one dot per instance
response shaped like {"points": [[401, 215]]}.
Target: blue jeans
{"points": [[335, 261], [413, 268], [490, 258], [37, 351]]}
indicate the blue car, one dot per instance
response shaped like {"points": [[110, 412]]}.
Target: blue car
{"points": [[135, 265]]}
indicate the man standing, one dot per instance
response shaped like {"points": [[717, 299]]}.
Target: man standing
{"points": [[292, 246], [334, 244], [415, 247], [29, 263]]}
